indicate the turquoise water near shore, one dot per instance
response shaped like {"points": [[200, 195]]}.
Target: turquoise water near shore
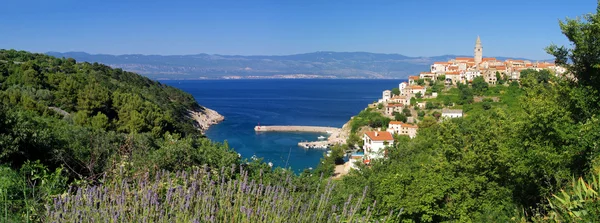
{"points": [[245, 103]]}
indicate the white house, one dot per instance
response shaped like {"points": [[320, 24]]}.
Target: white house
{"points": [[412, 80], [401, 128], [452, 113], [375, 143], [438, 67], [413, 90], [472, 74], [401, 87], [387, 95]]}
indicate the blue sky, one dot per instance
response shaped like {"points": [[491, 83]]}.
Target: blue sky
{"points": [[415, 28]]}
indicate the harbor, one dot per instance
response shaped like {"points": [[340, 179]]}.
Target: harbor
{"points": [[335, 135]]}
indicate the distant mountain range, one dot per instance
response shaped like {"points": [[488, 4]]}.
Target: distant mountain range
{"points": [[308, 65]]}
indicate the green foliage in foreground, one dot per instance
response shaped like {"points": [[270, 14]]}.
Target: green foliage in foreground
{"points": [[198, 196], [581, 203]]}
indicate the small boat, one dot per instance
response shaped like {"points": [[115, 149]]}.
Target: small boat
{"points": [[321, 137]]}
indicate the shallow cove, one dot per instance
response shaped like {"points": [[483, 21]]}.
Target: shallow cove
{"points": [[315, 102]]}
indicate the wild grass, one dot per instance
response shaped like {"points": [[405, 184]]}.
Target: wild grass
{"points": [[196, 196]]}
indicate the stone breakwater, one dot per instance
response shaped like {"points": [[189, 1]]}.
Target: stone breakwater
{"points": [[336, 135], [205, 117]]}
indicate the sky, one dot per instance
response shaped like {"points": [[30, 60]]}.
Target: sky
{"points": [[512, 28]]}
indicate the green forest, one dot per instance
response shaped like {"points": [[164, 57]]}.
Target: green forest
{"points": [[83, 142]]}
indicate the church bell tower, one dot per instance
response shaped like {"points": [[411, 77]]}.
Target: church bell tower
{"points": [[478, 51]]}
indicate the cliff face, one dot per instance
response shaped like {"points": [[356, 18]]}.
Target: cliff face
{"points": [[205, 117]]}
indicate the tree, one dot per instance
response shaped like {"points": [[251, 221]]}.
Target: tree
{"points": [[582, 62], [479, 85], [395, 91], [380, 106], [583, 33], [499, 78], [400, 117], [421, 82], [418, 95], [429, 105], [427, 122], [406, 112], [486, 105], [466, 94], [441, 78]]}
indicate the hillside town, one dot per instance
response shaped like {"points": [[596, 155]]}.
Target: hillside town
{"points": [[465, 69], [461, 70]]}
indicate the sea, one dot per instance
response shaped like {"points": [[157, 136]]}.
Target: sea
{"points": [[248, 103]]}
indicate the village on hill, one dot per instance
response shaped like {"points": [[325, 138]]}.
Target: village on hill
{"points": [[408, 100]]}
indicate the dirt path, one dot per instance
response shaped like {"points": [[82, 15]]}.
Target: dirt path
{"points": [[341, 170]]}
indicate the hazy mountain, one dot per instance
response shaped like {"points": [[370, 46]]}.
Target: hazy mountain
{"points": [[311, 65]]}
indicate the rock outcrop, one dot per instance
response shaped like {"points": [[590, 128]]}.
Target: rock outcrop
{"points": [[205, 117]]}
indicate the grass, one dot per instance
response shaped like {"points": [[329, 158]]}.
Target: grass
{"points": [[196, 196]]}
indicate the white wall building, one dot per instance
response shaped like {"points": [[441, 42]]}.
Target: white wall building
{"points": [[472, 74], [401, 128], [416, 89], [387, 95], [430, 75], [402, 86], [391, 108], [439, 67], [375, 143], [401, 99], [452, 113], [412, 80]]}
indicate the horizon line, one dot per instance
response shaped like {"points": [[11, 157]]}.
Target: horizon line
{"points": [[280, 55]]}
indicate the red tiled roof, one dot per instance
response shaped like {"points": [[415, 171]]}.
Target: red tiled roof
{"points": [[465, 58], [416, 87], [452, 73], [406, 125], [380, 136], [488, 59], [413, 77]]}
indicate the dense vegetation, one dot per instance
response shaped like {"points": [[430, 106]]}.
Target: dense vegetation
{"points": [[532, 155], [76, 121]]}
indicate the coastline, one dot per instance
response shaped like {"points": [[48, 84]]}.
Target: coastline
{"points": [[205, 117]]}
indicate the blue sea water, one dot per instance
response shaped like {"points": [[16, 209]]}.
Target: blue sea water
{"points": [[246, 103]]}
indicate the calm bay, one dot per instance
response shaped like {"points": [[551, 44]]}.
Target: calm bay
{"points": [[314, 102]]}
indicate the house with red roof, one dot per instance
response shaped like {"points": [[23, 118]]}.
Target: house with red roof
{"points": [[375, 143]]}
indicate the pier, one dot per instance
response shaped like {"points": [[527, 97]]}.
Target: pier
{"points": [[295, 128], [336, 135]]}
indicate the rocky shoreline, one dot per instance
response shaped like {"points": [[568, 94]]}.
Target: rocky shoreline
{"points": [[205, 117]]}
